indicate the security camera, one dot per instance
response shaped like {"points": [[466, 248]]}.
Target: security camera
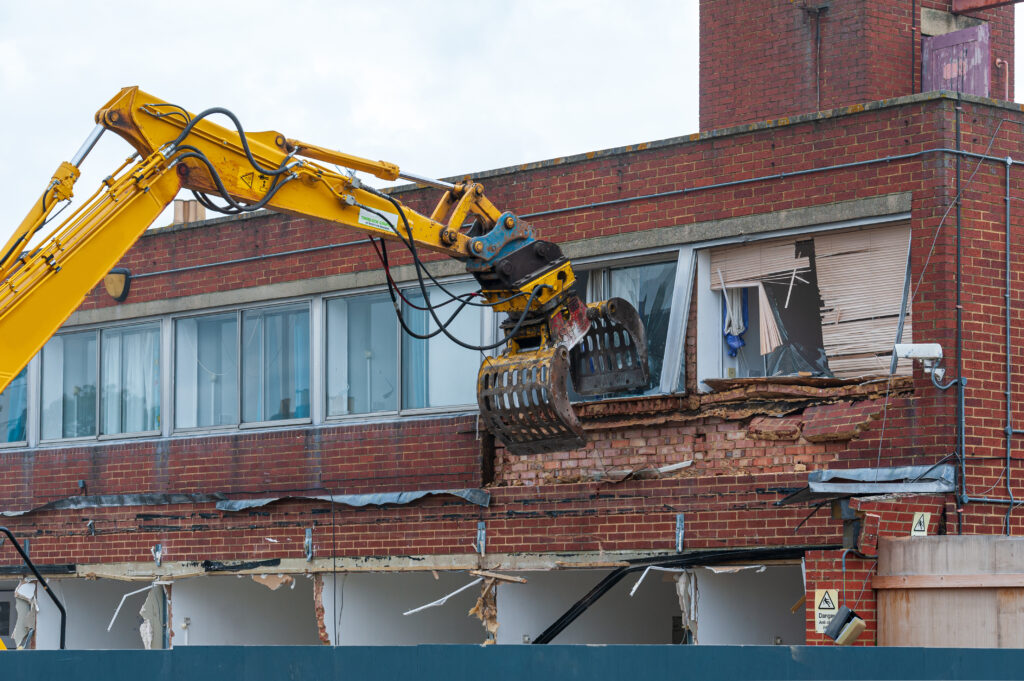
{"points": [[928, 353]]}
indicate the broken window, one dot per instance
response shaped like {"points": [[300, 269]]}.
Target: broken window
{"points": [[649, 288], [824, 304]]}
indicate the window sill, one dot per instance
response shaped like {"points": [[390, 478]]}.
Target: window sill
{"points": [[282, 423]]}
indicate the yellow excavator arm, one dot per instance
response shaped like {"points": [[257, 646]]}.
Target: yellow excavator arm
{"points": [[550, 334]]}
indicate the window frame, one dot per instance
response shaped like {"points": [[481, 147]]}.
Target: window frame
{"points": [[35, 391], [248, 425], [18, 444], [174, 319]]}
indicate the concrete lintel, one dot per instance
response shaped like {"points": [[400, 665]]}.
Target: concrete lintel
{"points": [[795, 218], [937, 22], [258, 294], [146, 571]]}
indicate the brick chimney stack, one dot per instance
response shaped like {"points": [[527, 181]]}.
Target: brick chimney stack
{"points": [[767, 59]]}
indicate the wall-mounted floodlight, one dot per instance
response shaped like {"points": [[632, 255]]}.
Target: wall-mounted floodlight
{"points": [[118, 282]]}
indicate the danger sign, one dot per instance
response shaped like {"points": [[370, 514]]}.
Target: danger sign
{"points": [[826, 604], [919, 528]]}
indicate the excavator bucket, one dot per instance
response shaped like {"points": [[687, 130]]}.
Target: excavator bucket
{"points": [[524, 395], [524, 401], [612, 357]]}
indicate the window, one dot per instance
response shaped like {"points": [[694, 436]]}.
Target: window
{"points": [[131, 379], [362, 355], [129, 393], [823, 304], [648, 287], [13, 409], [275, 364], [436, 372], [69, 386], [206, 371]]}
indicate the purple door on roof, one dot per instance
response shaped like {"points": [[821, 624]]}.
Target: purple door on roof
{"points": [[957, 61]]}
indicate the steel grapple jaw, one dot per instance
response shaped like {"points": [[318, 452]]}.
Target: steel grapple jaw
{"points": [[523, 394]]}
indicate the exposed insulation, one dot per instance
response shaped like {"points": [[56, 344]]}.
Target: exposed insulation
{"points": [[486, 610]]}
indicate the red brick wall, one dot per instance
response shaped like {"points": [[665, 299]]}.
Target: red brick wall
{"points": [[743, 461], [761, 59]]}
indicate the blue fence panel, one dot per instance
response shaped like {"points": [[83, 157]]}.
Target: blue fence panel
{"points": [[511, 663]]}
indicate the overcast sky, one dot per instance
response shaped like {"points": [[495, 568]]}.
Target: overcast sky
{"points": [[437, 87]]}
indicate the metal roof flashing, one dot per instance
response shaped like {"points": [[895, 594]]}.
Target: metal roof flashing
{"points": [[826, 485]]}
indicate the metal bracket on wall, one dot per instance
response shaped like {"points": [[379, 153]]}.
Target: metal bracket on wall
{"points": [[679, 532], [481, 538], [307, 545]]}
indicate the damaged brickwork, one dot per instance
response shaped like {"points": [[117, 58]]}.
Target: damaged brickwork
{"points": [[694, 471]]}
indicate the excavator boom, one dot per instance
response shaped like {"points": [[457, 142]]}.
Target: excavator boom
{"points": [[549, 334]]}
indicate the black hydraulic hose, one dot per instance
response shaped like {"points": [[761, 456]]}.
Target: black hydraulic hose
{"points": [[423, 288], [42, 581], [241, 208], [241, 134], [677, 561]]}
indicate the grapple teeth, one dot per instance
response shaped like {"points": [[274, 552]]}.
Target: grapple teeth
{"points": [[524, 401], [612, 357]]}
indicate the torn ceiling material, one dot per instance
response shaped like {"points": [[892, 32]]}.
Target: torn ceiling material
{"points": [[859, 482], [474, 496]]}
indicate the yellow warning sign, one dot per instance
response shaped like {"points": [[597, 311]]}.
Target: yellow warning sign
{"points": [[253, 181], [2, 646], [826, 604], [919, 528]]}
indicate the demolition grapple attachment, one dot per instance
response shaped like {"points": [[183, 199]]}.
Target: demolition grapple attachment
{"points": [[612, 357], [523, 394]]}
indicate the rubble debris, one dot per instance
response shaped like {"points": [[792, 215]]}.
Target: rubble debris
{"points": [[496, 575], [444, 599], [774, 428], [320, 611], [733, 569], [686, 589], [25, 606], [152, 613], [486, 610], [274, 582]]}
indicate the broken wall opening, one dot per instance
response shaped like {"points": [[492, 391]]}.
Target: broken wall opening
{"points": [[368, 609], [90, 604], [525, 610], [747, 606], [238, 610], [7, 611]]}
